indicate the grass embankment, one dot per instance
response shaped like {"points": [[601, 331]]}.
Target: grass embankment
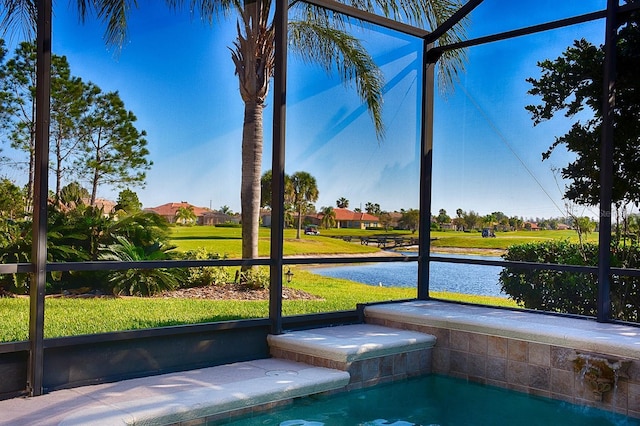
{"points": [[71, 317]]}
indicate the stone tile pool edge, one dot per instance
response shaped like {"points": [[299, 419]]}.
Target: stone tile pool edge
{"points": [[521, 351]]}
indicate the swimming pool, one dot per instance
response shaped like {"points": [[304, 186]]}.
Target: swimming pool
{"points": [[433, 400]]}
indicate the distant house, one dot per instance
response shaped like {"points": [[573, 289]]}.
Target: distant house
{"points": [[562, 227], [346, 218], [214, 217], [169, 210], [531, 226]]}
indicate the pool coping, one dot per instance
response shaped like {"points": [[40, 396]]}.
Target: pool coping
{"points": [[577, 333]]}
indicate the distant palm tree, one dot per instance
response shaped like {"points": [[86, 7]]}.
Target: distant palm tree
{"points": [[342, 203], [328, 217], [186, 215], [305, 191]]}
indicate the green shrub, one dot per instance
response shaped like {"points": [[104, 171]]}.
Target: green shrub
{"points": [[256, 277], [205, 275], [571, 292]]}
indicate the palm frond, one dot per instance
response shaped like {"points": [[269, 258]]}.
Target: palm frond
{"points": [[207, 10], [18, 16], [336, 50], [427, 14]]}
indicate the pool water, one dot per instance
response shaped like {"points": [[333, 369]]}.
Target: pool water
{"points": [[433, 400]]}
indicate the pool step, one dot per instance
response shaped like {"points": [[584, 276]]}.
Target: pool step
{"points": [[194, 397], [371, 354]]}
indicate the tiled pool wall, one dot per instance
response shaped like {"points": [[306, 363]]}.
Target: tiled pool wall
{"points": [[371, 371], [535, 368]]}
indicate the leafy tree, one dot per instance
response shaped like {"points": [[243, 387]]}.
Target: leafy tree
{"points": [[11, 200], [186, 215], [18, 107], [471, 220], [225, 210], [443, 217], [385, 220], [572, 83], [18, 110], [115, 151], [410, 219], [328, 217], [128, 202], [342, 203], [304, 191]]}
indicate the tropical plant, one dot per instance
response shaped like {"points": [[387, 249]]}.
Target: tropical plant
{"points": [[139, 282], [73, 195], [305, 191], [328, 217]]}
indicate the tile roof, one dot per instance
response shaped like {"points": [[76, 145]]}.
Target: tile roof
{"points": [[346, 214], [170, 209]]}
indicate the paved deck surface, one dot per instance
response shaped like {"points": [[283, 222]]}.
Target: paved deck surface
{"points": [[173, 398]]}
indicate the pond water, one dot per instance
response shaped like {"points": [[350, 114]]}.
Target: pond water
{"points": [[453, 277]]}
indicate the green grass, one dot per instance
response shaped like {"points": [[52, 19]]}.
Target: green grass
{"points": [[503, 239], [229, 240], [72, 317]]}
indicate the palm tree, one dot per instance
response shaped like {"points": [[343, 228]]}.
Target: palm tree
{"points": [[342, 203], [316, 34], [186, 215], [328, 217], [305, 191]]}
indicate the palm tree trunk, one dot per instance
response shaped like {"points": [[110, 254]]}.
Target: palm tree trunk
{"points": [[252, 142]]}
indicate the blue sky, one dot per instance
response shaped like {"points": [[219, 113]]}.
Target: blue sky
{"points": [[175, 73]]}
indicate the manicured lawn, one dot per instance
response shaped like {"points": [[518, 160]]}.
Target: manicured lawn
{"points": [[228, 240], [503, 239], [71, 317]]}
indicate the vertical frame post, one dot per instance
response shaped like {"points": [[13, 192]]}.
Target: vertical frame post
{"points": [[606, 163], [426, 170], [277, 166], [41, 186]]}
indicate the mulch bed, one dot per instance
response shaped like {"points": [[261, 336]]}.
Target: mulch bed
{"points": [[231, 291], [234, 291]]}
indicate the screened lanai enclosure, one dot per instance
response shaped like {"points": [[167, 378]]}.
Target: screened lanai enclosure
{"points": [[490, 106]]}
